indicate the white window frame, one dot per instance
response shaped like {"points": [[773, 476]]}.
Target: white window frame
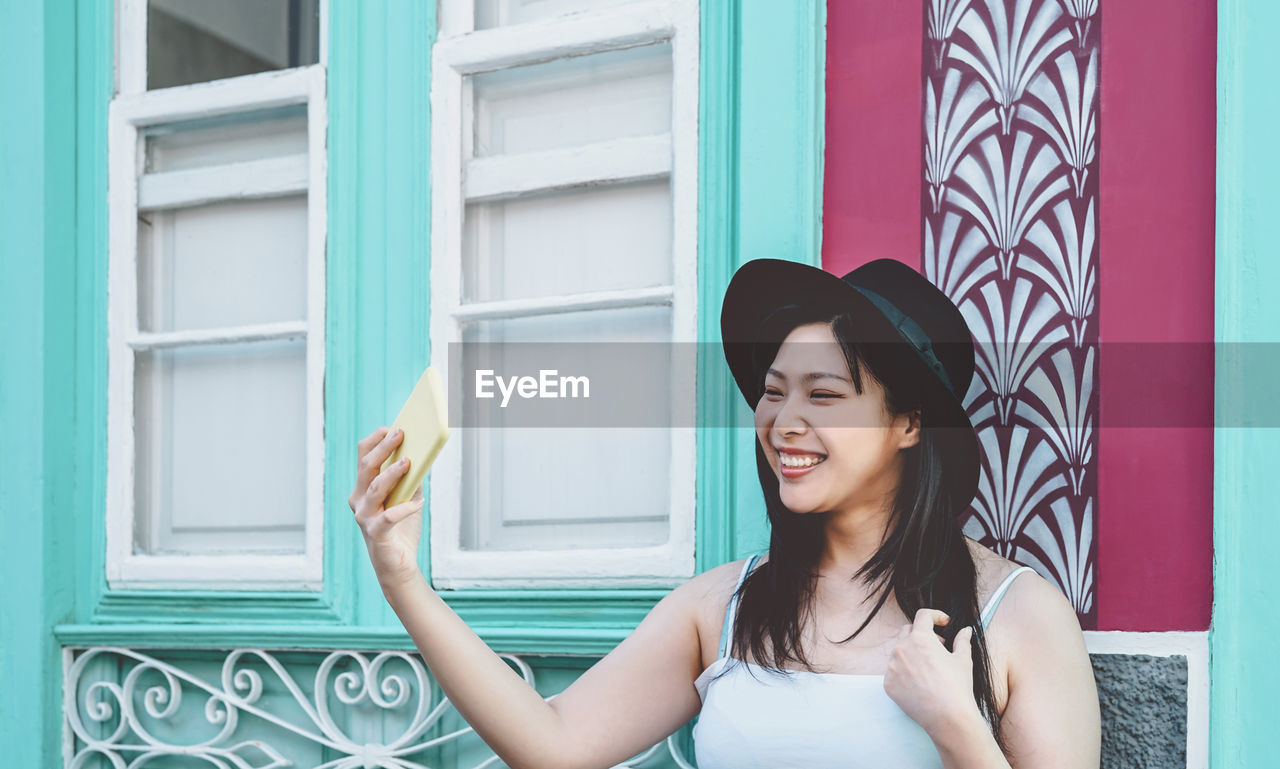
{"points": [[132, 110], [461, 51]]}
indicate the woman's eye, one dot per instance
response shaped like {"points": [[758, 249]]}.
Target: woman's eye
{"points": [[772, 392]]}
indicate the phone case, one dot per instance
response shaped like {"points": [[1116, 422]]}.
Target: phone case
{"points": [[425, 421]]}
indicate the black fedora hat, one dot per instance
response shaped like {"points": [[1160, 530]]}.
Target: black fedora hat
{"points": [[893, 304]]}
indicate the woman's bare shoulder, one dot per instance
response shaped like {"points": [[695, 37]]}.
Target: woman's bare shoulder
{"points": [[710, 592], [1030, 601], [991, 568], [712, 588]]}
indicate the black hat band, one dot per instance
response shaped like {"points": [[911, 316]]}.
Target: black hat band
{"points": [[913, 334]]}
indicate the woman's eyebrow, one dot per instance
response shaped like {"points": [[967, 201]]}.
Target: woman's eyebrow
{"points": [[812, 375]]}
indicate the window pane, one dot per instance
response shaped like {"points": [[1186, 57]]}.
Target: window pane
{"points": [[569, 102], [495, 13], [223, 264], [246, 136], [221, 463], [192, 41], [533, 488], [591, 239], [578, 486]]}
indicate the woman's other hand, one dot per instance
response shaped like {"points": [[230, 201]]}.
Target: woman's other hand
{"points": [[390, 535], [932, 685]]}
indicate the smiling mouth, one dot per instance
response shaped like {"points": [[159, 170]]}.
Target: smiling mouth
{"points": [[800, 461]]}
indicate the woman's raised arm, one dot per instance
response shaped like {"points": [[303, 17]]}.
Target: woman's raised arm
{"points": [[633, 698], [628, 701]]}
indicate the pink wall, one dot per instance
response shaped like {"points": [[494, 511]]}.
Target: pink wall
{"points": [[871, 206], [1154, 554], [1157, 241]]}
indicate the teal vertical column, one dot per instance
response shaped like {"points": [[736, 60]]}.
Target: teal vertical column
{"points": [[1244, 676], [782, 102], [378, 257], [37, 279], [25, 659]]}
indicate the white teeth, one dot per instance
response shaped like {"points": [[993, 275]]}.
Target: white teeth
{"points": [[792, 460]]}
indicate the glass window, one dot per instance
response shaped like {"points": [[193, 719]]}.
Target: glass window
{"points": [[216, 306], [552, 244], [220, 433], [569, 102], [548, 487], [237, 138], [573, 221], [231, 263], [194, 41]]}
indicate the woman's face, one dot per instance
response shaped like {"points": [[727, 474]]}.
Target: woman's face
{"points": [[830, 447]]}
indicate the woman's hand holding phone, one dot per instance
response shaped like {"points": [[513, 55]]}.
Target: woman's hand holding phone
{"points": [[390, 535], [505, 710]]}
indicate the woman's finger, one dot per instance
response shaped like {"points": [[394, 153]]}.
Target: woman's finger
{"points": [[371, 462], [385, 482], [370, 440], [963, 643], [356, 499], [927, 619]]}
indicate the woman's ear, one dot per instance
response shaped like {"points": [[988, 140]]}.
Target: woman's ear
{"points": [[911, 432]]}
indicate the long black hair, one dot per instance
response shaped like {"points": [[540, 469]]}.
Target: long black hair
{"points": [[923, 558]]}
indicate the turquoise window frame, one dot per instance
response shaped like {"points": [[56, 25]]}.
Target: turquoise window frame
{"points": [[1242, 672], [761, 149]]}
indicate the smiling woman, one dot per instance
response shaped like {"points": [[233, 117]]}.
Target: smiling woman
{"points": [[867, 460]]}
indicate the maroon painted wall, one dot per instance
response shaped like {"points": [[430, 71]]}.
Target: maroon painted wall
{"points": [[871, 205], [1157, 230]]}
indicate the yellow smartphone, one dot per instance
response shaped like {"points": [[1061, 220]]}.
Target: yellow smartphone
{"points": [[425, 421]]}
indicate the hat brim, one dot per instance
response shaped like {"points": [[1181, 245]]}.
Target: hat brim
{"points": [[762, 285]]}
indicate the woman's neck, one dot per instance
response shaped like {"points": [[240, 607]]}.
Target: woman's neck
{"points": [[852, 537]]}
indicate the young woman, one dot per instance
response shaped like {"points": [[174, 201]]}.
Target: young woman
{"points": [[867, 635]]}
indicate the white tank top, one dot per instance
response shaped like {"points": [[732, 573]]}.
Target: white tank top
{"points": [[753, 719]]}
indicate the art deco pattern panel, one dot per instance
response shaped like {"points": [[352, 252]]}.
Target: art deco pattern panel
{"points": [[1010, 230]]}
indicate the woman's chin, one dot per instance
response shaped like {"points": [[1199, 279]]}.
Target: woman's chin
{"points": [[801, 504]]}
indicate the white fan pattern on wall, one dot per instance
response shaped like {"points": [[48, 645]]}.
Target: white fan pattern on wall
{"points": [[1010, 233]]}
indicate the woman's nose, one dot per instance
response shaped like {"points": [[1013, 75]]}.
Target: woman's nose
{"points": [[790, 419]]}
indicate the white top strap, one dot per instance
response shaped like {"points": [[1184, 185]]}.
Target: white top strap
{"points": [[732, 611], [995, 598]]}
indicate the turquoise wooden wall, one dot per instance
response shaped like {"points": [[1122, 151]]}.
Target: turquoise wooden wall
{"points": [[1244, 677], [42, 463], [761, 150]]}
